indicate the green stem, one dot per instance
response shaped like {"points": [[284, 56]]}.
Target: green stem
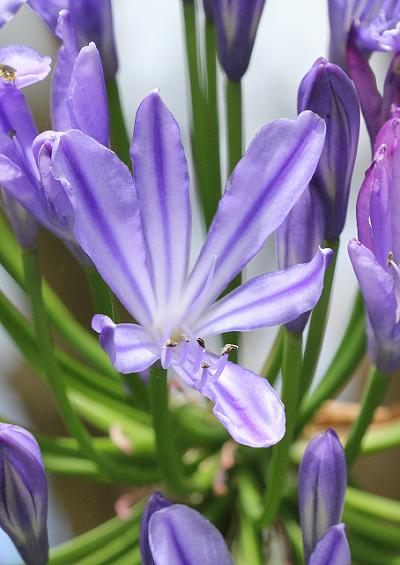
{"points": [[84, 544], [291, 368], [373, 505], [118, 134], [367, 553], [250, 499], [249, 548], [213, 194], [234, 123], [273, 362], [374, 530], [167, 454], [373, 394], [50, 365], [293, 532], [317, 325], [101, 294], [342, 367], [381, 439]]}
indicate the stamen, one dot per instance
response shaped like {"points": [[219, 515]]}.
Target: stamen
{"points": [[228, 348], [204, 376], [389, 259], [8, 73], [166, 353], [184, 349], [171, 343], [199, 354]]}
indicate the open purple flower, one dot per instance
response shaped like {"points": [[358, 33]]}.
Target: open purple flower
{"points": [[376, 254], [332, 549], [236, 23], [372, 24], [173, 534], [322, 486], [23, 498], [137, 234], [22, 65], [328, 91]]}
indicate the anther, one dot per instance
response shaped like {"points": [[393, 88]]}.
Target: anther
{"points": [[201, 342], [8, 73], [228, 348], [185, 338], [389, 259], [11, 133], [171, 343], [205, 365]]}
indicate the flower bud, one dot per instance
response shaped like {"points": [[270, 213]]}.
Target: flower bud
{"points": [[236, 24], [175, 533], [322, 486], [332, 549], [23, 487], [298, 239], [328, 91]]}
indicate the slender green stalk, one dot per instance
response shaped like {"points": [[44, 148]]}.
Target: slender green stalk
{"points": [[84, 544], [168, 457], [119, 137], [293, 532], [291, 368], [211, 198], [101, 294], [374, 530], [233, 93], [317, 325], [373, 394], [273, 362], [381, 439], [373, 505], [46, 350], [250, 499], [342, 367], [366, 553], [249, 545]]}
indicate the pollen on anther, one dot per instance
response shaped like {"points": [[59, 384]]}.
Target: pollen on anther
{"points": [[205, 365], [201, 342], [228, 348], [171, 343], [389, 258]]}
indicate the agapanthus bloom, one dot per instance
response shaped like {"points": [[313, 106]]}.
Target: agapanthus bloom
{"points": [[328, 91], [236, 23], [373, 24], [173, 534], [92, 20], [23, 498], [138, 233], [376, 254], [322, 486], [79, 101]]}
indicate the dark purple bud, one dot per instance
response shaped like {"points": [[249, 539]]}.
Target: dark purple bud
{"points": [[236, 24], [299, 237], [175, 533], [332, 549], [23, 488], [376, 254], [322, 486], [328, 91]]}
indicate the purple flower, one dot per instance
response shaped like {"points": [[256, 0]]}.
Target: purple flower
{"points": [[236, 24], [299, 237], [23, 488], [138, 236], [79, 98], [22, 65], [373, 25], [328, 91], [322, 486], [92, 20], [332, 549], [173, 534], [375, 255]]}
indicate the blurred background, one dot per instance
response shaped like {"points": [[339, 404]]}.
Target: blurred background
{"points": [[151, 53]]}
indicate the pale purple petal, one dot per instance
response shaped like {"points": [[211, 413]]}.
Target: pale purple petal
{"points": [[107, 218], [156, 502], [129, 346], [66, 56], [244, 402], [322, 486], [179, 535], [268, 300], [332, 549], [30, 67], [8, 9], [162, 185], [87, 96], [263, 188]]}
